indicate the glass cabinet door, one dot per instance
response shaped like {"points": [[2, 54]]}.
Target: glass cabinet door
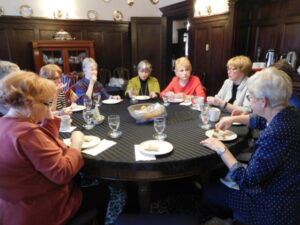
{"points": [[53, 57], [75, 59]]}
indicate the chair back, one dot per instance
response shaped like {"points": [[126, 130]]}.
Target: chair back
{"points": [[105, 75], [121, 72]]}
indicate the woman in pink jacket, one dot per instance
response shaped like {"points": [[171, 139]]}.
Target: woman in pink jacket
{"points": [[184, 83], [36, 167]]}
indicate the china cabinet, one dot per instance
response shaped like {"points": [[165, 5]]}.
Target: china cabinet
{"points": [[66, 54]]}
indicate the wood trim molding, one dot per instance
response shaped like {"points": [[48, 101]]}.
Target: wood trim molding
{"points": [[180, 10]]}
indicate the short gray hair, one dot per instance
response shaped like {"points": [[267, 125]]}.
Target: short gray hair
{"points": [[144, 65], [273, 84], [88, 63], [7, 67]]}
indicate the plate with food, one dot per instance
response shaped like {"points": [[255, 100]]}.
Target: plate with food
{"points": [[237, 124], [175, 100], [222, 135], [142, 97], [111, 101], [156, 147], [76, 108], [88, 141]]}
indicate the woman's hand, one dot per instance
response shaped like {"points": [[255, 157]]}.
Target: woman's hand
{"points": [[213, 144], [225, 123], [60, 87], [77, 139], [73, 96], [153, 95], [215, 101], [117, 97]]}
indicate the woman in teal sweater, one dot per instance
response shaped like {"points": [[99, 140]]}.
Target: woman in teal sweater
{"points": [[143, 84]]}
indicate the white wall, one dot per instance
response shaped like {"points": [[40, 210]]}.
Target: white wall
{"points": [[77, 9]]}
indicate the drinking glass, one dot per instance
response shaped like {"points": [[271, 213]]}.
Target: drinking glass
{"points": [[97, 98], [133, 93], [88, 103], [114, 123], [204, 116], [159, 126], [88, 118]]}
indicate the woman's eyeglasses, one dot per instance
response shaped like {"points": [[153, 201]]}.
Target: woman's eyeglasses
{"points": [[232, 69]]}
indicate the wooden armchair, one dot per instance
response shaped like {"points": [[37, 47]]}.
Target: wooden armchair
{"points": [[105, 75], [121, 72]]}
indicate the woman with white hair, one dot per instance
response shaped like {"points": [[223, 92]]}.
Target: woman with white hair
{"points": [[268, 187], [144, 83], [88, 85]]}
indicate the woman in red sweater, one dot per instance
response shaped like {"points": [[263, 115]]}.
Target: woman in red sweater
{"points": [[36, 167], [184, 82]]}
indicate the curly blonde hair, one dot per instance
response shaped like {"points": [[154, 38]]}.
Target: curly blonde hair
{"points": [[241, 62], [22, 86]]}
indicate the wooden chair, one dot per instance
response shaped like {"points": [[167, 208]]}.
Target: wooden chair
{"points": [[105, 75], [121, 72]]}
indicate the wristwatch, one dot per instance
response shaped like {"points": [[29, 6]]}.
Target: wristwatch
{"points": [[220, 153]]}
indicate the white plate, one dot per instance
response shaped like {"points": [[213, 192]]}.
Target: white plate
{"points": [[229, 136], [176, 100], [156, 147], [142, 97], [77, 108], [111, 101], [237, 124], [86, 144]]}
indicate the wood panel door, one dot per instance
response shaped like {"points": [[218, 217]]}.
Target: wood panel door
{"points": [[148, 41], [209, 51]]}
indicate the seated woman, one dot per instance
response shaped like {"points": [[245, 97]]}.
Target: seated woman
{"points": [[288, 69], [36, 167], [88, 85], [144, 83], [53, 72], [6, 68], [268, 188], [232, 95], [184, 82]]}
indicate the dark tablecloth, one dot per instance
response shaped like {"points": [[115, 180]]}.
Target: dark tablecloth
{"points": [[183, 132]]}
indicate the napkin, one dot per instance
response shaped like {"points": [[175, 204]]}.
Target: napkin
{"points": [[185, 103], [103, 145], [139, 156], [68, 131]]}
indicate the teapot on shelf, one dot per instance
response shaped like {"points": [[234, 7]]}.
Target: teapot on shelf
{"points": [[270, 57]]}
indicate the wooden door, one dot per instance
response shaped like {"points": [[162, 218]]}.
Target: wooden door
{"points": [[148, 41], [209, 51]]}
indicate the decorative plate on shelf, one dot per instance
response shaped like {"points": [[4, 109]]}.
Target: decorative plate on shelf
{"points": [[92, 15], [154, 1], [1, 11], [106, 1], [118, 15], [26, 11]]}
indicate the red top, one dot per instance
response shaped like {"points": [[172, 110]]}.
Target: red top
{"points": [[36, 172], [193, 87]]}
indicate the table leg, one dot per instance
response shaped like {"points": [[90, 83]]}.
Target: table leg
{"points": [[144, 196]]}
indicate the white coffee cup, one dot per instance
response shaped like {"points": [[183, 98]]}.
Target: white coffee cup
{"points": [[65, 123], [214, 114]]}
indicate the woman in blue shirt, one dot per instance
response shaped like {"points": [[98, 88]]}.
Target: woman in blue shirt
{"points": [[268, 188]]}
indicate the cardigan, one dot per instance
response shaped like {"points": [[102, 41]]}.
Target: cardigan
{"points": [[36, 174], [152, 82], [193, 87]]}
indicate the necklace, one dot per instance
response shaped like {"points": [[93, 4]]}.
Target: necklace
{"points": [[144, 88]]}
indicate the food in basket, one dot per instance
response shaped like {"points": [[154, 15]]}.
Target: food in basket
{"points": [[146, 111]]}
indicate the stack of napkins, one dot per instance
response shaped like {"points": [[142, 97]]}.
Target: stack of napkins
{"points": [[103, 145], [139, 156]]}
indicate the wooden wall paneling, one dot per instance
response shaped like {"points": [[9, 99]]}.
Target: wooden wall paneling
{"points": [[148, 41], [4, 46], [269, 10], [290, 8]]}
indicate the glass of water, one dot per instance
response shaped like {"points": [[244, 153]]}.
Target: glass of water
{"points": [[204, 116], [159, 126], [114, 123], [97, 98], [88, 103], [88, 118]]}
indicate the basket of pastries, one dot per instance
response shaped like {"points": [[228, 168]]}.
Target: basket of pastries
{"points": [[146, 112]]}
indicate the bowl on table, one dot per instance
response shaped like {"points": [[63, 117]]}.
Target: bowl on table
{"points": [[146, 112]]}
